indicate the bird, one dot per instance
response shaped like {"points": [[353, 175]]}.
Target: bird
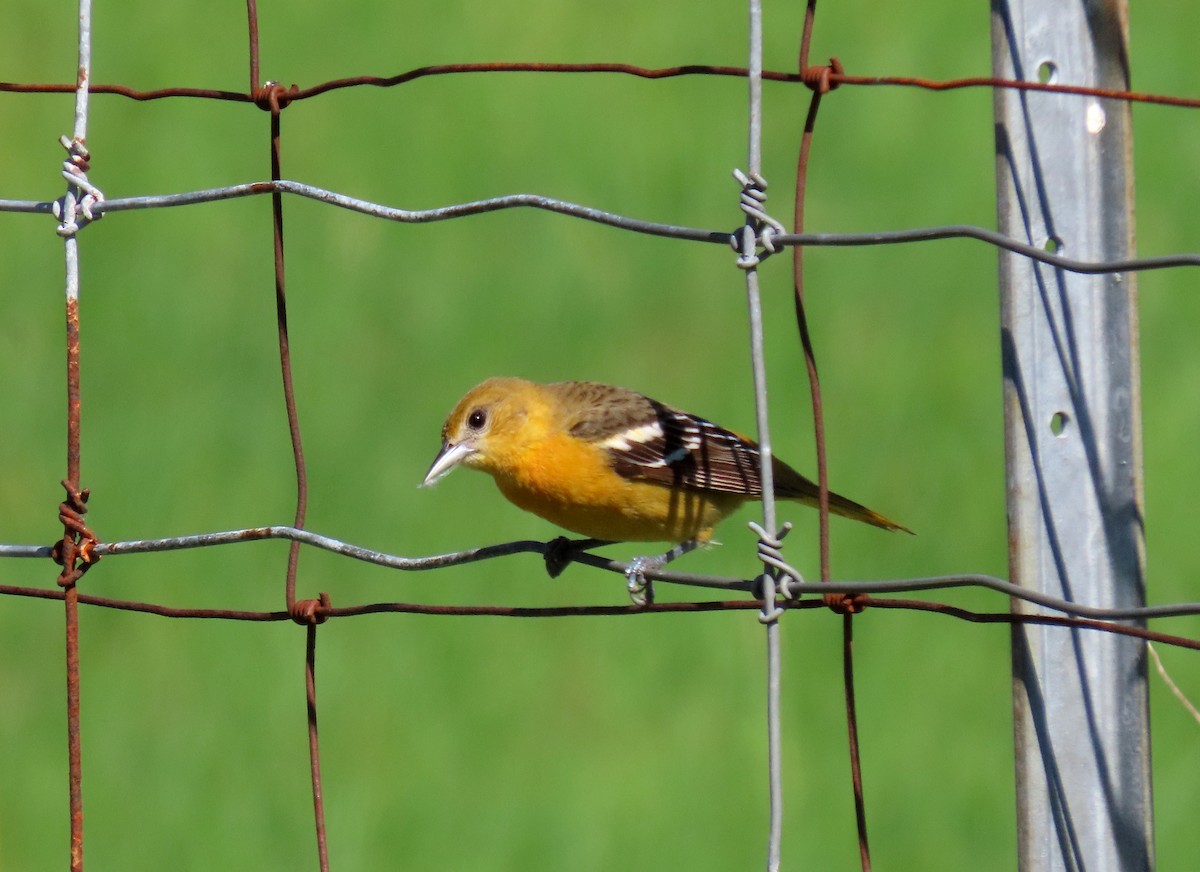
{"points": [[614, 465]]}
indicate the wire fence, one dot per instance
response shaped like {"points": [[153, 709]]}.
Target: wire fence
{"points": [[773, 593]]}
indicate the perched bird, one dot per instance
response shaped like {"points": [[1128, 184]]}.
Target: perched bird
{"points": [[612, 464]]}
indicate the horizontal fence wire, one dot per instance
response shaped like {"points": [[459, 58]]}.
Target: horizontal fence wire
{"points": [[824, 77], [652, 228], [81, 547], [796, 584]]}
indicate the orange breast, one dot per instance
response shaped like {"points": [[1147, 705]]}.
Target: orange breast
{"points": [[570, 483]]}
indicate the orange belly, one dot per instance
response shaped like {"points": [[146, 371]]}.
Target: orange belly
{"points": [[571, 485]]}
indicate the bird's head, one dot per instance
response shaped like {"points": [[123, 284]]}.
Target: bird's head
{"points": [[483, 427]]}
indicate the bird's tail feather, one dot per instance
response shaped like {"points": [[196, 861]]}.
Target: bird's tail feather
{"points": [[791, 485]]}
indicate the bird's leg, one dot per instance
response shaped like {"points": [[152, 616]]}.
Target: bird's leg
{"points": [[559, 552], [641, 589]]}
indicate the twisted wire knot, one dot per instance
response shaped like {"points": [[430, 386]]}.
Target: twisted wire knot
{"points": [[760, 228], [770, 552], [272, 97], [78, 541], [820, 79], [69, 209], [846, 603], [311, 612]]}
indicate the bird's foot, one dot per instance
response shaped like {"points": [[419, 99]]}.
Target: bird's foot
{"points": [[641, 589]]}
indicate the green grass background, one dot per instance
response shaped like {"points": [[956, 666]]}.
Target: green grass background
{"points": [[487, 743]]}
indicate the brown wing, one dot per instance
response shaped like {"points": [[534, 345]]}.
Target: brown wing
{"points": [[598, 411], [652, 442], [689, 452]]}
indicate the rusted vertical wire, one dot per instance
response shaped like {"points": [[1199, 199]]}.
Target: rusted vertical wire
{"points": [[285, 354], [252, 27], [313, 613], [810, 19], [269, 96], [75, 503], [819, 82], [314, 751], [71, 597], [810, 360], [70, 575], [856, 783]]}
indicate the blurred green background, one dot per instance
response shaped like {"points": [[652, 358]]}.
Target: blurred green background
{"points": [[489, 743]]}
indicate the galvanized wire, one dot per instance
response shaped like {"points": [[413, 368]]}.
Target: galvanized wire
{"points": [[600, 216], [758, 222]]}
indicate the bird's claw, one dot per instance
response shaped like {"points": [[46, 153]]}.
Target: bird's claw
{"points": [[641, 589]]}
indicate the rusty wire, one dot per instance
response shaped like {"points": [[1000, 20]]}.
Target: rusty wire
{"points": [[323, 609], [832, 77], [268, 96], [80, 548], [821, 81]]}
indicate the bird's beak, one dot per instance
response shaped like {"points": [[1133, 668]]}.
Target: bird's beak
{"points": [[449, 457]]}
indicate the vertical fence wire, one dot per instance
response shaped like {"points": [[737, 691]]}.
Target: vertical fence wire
{"points": [[314, 747], [271, 97], [820, 81], [770, 612], [77, 151], [806, 345]]}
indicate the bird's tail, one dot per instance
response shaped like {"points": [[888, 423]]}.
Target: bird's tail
{"points": [[791, 485]]}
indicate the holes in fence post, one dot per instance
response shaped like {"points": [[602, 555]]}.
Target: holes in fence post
{"points": [[1053, 245], [1058, 424], [1047, 72]]}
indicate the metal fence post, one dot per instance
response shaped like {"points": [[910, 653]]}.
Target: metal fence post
{"points": [[1072, 436]]}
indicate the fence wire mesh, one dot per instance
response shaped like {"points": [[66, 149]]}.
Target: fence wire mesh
{"points": [[507, 738]]}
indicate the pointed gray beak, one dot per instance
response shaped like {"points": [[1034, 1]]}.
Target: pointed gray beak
{"points": [[449, 457]]}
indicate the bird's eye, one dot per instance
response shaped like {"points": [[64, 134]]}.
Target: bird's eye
{"points": [[477, 419]]}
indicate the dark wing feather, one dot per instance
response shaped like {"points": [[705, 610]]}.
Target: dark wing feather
{"points": [[700, 456], [648, 441], [652, 442]]}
